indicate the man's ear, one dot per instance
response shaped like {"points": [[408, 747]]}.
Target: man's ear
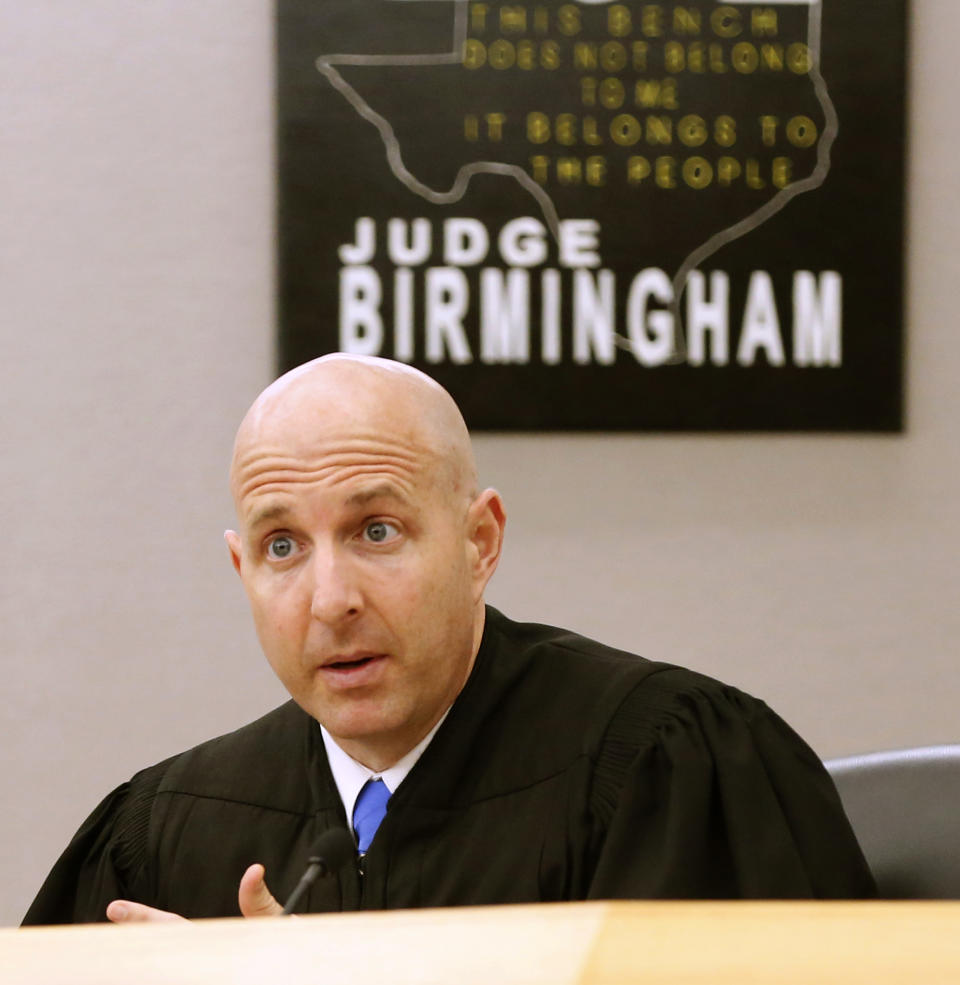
{"points": [[486, 520], [233, 545]]}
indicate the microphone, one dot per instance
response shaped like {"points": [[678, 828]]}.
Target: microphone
{"points": [[330, 851]]}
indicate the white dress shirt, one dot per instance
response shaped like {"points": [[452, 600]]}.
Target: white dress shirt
{"points": [[350, 776]]}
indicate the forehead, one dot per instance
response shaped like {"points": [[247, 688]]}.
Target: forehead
{"points": [[337, 427], [277, 470]]}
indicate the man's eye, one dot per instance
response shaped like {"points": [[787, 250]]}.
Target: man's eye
{"points": [[379, 531], [280, 548]]}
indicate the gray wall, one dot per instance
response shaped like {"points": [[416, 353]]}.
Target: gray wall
{"points": [[135, 277]]}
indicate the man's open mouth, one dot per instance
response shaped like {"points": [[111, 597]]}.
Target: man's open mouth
{"points": [[346, 664]]}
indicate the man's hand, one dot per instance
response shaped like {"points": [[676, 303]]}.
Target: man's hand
{"points": [[126, 911], [254, 897]]}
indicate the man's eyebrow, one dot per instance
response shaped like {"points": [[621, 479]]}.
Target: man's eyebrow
{"points": [[383, 490], [267, 514]]}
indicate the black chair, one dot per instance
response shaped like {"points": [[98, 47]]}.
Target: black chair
{"points": [[905, 809]]}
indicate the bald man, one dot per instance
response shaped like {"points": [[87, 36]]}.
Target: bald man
{"points": [[517, 763]]}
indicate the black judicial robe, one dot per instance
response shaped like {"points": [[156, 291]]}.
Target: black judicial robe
{"points": [[565, 770]]}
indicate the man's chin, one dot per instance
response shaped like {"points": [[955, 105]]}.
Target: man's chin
{"points": [[353, 720]]}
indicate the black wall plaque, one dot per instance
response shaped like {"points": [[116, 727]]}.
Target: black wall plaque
{"points": [[601, 215]]}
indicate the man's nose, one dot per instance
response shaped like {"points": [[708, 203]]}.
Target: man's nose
{"points": [[336, 592]]}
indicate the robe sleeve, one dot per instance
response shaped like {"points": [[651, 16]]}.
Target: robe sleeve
{"points": [[105, 860], [702, 792]]}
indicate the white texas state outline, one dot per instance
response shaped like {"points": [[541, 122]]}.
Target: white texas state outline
{"points": [[327, 66]]}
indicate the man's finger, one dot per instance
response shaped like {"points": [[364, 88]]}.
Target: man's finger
{"points": [[126, 911], [255, 899]]}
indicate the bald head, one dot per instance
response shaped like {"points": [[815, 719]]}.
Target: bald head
{"points": [[364, 547], [348, 398]]}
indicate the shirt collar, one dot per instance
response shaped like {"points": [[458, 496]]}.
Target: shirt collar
{"points": [[350, 776]]}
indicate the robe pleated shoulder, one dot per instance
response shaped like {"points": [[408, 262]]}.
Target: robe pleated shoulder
{"points": [[564, 770]]}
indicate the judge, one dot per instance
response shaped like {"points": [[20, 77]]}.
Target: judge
{"points": [[474, 759]]}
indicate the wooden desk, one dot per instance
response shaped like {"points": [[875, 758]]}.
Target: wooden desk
{"points": [[553, 944]]}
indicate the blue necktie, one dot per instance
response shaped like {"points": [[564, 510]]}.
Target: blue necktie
{"points": [[368, 812]]}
